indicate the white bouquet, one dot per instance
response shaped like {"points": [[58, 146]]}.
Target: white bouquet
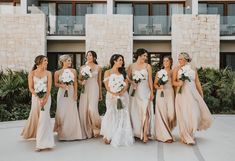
{"points": [[162, 79], [86, 74], [40, 89], [67, 78], [137, 77], [116, 84], [184, 74]]}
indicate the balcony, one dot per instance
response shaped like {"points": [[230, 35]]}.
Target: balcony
{"points": [[227, 25], [152, 25], [66, 25]]}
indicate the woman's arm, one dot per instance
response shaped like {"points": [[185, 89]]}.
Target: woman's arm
{"points": [[100, 83], [198, 85], [150, 81], [125, 88], [175, 81], [75, 84], [56, 80], [31, 84]]}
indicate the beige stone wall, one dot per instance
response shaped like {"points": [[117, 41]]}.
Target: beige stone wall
{"points": [[199, 36], [22, 38], [65, 46], [110, 34]]}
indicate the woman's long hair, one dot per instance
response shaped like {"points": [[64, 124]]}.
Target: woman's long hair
{"points": [[122, 69], [94, 55], [170, 59], [37, 61]]}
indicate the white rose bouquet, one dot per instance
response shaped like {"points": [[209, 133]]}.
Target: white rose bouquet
{"points": [[162, 79], [116, 84], [40, 90], [67, 78], [183, 74], [137, 77], [86, 74]]}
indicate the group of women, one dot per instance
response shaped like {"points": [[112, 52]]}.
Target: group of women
{"points": [[119, 126]]}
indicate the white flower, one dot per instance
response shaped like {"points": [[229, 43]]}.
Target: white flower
{"points": [[138, 76], [116, 83], [67, 76], [162, 73], [86, 71]]}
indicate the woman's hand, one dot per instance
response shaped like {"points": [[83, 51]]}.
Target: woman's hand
{"points": [[181, 83], [100, 97], [83, 82], [151, 97], [63, 86]]}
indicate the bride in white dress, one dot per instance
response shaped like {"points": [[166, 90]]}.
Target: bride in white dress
{"points": [[116, 126]]}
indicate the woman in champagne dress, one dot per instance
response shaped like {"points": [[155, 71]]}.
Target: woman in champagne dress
{"points": [[141, 106], [191, 111], [38, 124], [116, 126], [88, 103], [165, 119], [67, 123]]}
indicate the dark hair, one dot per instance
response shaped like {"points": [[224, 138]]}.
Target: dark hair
{"points": [[38, 60], [94, 55], [139, 52], [171, 60], [122, 69]]}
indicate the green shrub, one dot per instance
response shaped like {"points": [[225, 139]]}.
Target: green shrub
{"points": [[219, 89]]}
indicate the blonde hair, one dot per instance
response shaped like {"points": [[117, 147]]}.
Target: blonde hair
{"points": [[186, 56], [63, 58]]}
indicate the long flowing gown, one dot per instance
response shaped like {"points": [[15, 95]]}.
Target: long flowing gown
{"points": [[67, 123], [116, 125], [191, 111], [165, 118], [38, 124], [88, 107], [140, 107]]}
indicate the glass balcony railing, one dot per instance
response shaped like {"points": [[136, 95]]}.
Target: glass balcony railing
{"points": [[152, 25], [66, 25], [227, 25]]}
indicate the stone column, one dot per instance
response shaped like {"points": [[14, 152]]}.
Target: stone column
{"points": [[108, 35], [110, 5], [194, 7], [198, 35]]}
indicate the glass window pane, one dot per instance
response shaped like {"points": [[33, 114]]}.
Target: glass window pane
{"points": [[124, 8], [99, 8], [231, 9], [202, 8], [230, 61], [141, 9], [159, 9], [82, 9], [64, 9], [216, 9], [176, 9]]}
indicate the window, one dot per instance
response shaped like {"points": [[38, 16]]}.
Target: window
{"points": [[141, 9], [77, 59], [156, 59], [125, 8], [64, 9], [227, 60], [99, 8], [159, 9]]}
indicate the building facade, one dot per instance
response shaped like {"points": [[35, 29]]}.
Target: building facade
{"points": [[205, 29]]}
